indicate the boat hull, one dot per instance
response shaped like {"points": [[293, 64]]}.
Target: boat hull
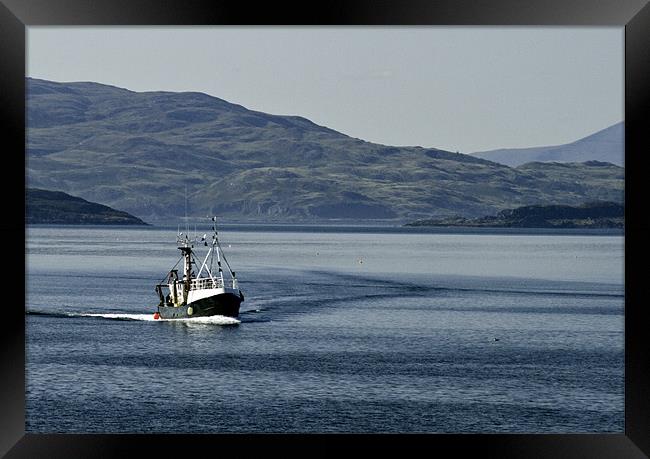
{"points": [[223, 304]]}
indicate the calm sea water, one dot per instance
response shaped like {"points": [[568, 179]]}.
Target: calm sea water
{"points": [[342, 330]]}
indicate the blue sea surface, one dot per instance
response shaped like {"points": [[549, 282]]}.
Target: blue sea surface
{"points": [[342, 330]]}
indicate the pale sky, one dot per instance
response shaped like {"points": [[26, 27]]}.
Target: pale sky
{"points": [[456, 88]]}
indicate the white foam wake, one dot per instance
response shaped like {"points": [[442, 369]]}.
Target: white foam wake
{"points": [[211, 320]]}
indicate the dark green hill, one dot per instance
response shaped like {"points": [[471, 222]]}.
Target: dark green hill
{"points": [[138, 151], [56, 207], [589, 215]]}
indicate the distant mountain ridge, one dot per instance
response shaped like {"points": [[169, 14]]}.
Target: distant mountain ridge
{"points": [[589, 215], [138, 151], [607, 145], [55, 207]]}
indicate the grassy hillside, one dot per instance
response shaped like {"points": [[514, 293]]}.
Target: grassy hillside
{"points": [[139, 151]]}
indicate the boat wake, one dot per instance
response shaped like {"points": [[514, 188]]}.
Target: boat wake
{"points": [[211, 320]]}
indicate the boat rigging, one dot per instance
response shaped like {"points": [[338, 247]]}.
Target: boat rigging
{"points": [[203, 292]]}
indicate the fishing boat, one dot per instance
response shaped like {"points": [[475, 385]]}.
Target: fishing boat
{"points": [[202, 292]]}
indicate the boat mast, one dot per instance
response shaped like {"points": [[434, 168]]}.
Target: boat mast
{"points": [[186, 250], [185, 247], [215, 244]]}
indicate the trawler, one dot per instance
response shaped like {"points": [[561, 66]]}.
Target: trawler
{"points": [[202, 293]]}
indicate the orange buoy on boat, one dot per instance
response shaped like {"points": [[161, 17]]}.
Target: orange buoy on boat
{"points": [[156, 315]]}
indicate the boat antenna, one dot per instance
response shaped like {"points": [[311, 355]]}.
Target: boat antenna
{"points": [[187, 225]]}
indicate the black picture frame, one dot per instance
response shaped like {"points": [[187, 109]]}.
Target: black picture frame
{"points": [[634, 15]]}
